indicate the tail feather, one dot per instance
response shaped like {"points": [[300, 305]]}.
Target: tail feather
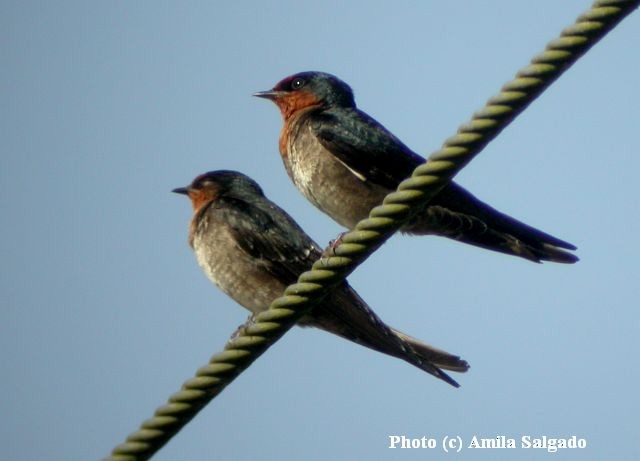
{"points": [[457, 214], [345, 314], [437, 357]]}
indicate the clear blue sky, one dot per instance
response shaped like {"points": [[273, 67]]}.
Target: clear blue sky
{"points": [[107, 106]]}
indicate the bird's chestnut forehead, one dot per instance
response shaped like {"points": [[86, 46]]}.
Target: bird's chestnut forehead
{"points": [[285, 83]]}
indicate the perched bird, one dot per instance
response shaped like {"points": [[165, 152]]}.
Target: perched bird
{"points": [[252, 250], [345, 162]]}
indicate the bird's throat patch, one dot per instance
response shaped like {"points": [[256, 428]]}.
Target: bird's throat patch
{"points": [[295, 101]]}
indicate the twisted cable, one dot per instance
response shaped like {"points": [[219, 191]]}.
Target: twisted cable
{"points": [[256, 336]]}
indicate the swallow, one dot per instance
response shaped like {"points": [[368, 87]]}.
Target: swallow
{"points": [[345, 162], [252, 250]]}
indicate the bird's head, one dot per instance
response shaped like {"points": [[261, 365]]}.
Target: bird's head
{"points": [[307, 89], [210, 186]]}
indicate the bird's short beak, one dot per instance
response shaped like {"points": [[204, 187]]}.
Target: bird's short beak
{"points": [[272, 95], [181, 190]]}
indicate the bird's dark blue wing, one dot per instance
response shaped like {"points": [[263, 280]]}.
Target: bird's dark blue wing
{"points": [[268, 234], [364, 146]]}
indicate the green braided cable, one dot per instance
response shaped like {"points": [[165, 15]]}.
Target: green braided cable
{"points": [[257, 336]]}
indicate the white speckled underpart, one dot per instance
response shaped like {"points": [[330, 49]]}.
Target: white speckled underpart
{"points": [[232, 270], [328, 183]]}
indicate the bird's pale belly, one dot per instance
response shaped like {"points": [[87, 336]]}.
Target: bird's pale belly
{"points": [[329, 184], [234, 272]]}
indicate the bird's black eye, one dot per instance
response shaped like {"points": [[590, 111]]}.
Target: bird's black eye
{"points": [[200, 183], [297, 83]]}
